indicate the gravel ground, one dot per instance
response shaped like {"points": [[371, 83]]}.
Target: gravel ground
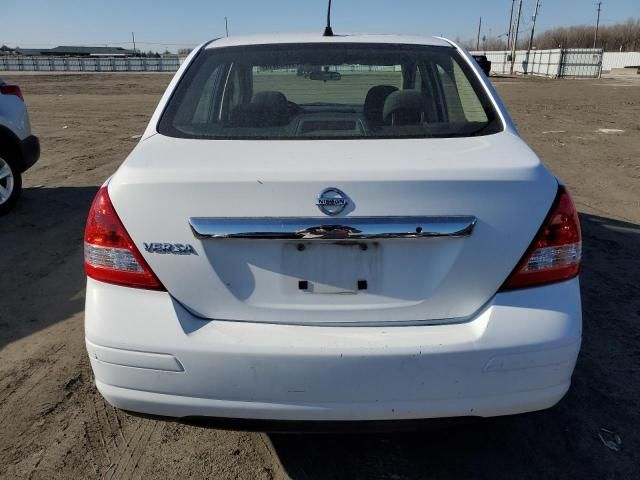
{"points": [[55, 424]]}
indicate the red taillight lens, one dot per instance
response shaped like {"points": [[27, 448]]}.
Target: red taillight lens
{"points": [[556, 253], [109, 253], [11, 90]]}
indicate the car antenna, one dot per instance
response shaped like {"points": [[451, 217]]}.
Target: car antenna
{"points": [[328, 32]]}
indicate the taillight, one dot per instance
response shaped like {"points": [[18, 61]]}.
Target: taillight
{"points": [[109, 253], [556, 252], [6, 89]]}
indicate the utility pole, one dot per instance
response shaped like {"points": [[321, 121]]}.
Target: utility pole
{"points": [[226, 25], [133, 37], [515, 37], [479, 28], [595, 38], [533, 29], [513, 3]]}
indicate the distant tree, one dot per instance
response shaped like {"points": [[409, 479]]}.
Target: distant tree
{"points": [[184, 51], [468, 44], [623, 36], [487, 44], [494, 43]]}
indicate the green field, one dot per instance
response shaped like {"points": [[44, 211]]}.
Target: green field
{"points": [[350, 90]]}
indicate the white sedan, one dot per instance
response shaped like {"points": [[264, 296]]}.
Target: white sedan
{"points": [[332, 229]]}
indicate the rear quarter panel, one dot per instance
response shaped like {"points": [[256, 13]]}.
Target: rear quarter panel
{"points": [[14, 116]]}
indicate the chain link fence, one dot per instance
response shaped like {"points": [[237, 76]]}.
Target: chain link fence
{"points": [[556, 63], [89, 64]]}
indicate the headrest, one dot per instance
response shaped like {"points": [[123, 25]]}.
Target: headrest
{"points": [[267, 109], [374, 102], [272, 99], [406, 102]]}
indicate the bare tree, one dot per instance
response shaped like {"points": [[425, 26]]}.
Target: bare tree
{"points": [[487, 44], [623, 36]]}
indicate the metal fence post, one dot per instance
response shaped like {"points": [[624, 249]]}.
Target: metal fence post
{"points": [[561, 63], [600, 65]]}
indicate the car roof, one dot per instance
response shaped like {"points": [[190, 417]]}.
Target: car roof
{"points": [[301, 38]]}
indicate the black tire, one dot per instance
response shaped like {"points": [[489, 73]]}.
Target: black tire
{"points": [[15, 186]]}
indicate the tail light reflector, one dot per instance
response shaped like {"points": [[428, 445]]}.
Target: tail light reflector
{"points": [[6, 89], [556, 252], [109, 252]]}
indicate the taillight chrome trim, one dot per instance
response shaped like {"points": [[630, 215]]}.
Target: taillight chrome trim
{"points": [[349, 228]]}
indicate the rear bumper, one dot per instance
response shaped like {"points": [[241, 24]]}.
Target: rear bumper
{"points": [[30, 150], [150, 355]]}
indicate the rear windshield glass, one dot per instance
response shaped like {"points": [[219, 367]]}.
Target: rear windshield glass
{"points": [[329, 91]]}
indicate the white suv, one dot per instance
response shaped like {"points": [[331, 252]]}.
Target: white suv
{"points": [[327, 229], [19, 148]]}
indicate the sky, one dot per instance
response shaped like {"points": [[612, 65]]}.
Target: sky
{"points": [[160, 25]]}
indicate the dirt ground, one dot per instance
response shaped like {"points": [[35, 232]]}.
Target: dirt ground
{"points": [[55, 424]]}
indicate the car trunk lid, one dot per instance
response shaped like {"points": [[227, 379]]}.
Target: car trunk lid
{"points": [[491, 192]]}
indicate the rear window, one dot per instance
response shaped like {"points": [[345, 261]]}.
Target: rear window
{"points": [[329, 91]]}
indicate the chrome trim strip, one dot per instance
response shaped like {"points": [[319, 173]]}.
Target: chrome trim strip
{"points": [[322, 228]]}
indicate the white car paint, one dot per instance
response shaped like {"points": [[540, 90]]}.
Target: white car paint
{"points": [[302, 38], [14, 115], [19, 148], [233, 338], [426, 177], [515, 356]]}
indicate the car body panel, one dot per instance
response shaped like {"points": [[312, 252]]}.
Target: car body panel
{"points": [[497, 179], [14, 115], [302, 38], [516, 355]]}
